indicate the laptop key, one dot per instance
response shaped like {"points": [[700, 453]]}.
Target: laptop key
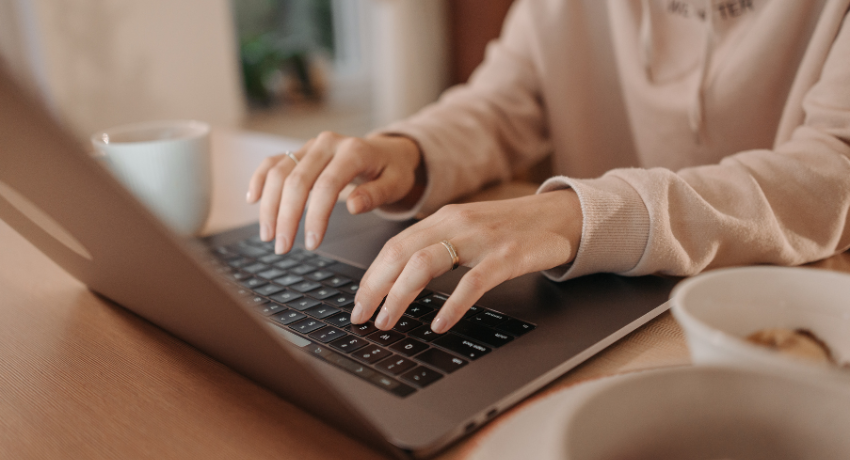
{"points": [[340, 300], [327, 334], [271, 259], [306, 326], [287, 263], [428, 317], [396, 366], [515, 326], [350, 288], [362, 329], [321, 311], [257, 300], [371, 354], [341, 320], [286, 296], [252, 282], [303, 303], [408, 347], [489, 318], [250, 251], [255, 268], [462, 346], [473, 310], [421, 376], [424, 293], [416, 310], [269, 308], [486, 335], [302, 269], [406, 324], [288, 280], [320, 262], [268, 289], [424, 332], [429, 301], [288, 317], [337, 281], [239, 262], [305, 286], [341, 361], [349, 343], [320, 275], [239, 276], [441, 360], [271, 273], [323, 293], [385, 337]]}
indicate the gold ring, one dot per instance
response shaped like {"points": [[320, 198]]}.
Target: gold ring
{"points": [[291, 156], [449, 247]]}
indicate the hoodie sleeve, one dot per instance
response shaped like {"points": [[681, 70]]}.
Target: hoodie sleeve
{"points": [[785, 206], [479, 132]]}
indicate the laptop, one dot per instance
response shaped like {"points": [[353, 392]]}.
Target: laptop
{"points": [[282, 320]]}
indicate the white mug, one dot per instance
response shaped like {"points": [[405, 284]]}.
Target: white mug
{"points": [[166, 164]]}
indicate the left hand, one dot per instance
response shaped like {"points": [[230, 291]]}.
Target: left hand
{"points": [[498, 240]]}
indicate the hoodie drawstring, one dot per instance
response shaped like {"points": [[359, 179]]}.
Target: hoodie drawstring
{"points": [[696, 119]]}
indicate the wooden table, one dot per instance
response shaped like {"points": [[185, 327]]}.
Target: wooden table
{"points": [[83, 378]]}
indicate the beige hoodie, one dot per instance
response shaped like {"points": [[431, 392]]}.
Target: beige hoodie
{"points": [[720, 128]]}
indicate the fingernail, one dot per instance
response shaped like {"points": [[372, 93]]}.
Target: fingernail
{"points": [[383, 319], [439, 325], [359, 204], [280, 244], [356, 313], [265, 232], [248, 197], [312, 240]]}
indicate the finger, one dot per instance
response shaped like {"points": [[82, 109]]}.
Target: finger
{"points": [[270, 200], [385, 269], [389, 187], [296, 189], [425, 265], [350, 160], [258, 179], [488, 274]]}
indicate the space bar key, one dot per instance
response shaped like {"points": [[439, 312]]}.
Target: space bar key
{"points": [[464, 347]]}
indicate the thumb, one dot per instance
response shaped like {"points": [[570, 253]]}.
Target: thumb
{"points": [[386, 188]]}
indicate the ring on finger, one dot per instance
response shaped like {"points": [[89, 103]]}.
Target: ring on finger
{"points": [[291, 156], [452, 252]]}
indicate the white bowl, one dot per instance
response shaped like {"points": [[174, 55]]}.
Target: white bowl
{"points": [[710, 413], [718, 309], [703, 412]]}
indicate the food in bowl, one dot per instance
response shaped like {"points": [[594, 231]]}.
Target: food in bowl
{"points": [[799, 342], [719, 309]]}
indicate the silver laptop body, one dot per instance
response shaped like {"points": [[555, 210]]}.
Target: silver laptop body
{"points": [[71, 208]]}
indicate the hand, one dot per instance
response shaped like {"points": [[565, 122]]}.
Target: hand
{"points": [[498, 240], [387, 166]]}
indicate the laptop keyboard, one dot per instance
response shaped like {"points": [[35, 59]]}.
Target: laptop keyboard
{"points": [[312, 296]]}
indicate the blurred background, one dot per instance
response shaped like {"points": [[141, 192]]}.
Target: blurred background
{"points": [[286, 67]]}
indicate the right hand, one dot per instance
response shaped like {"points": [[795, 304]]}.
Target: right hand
{"points": [[385, 165]]}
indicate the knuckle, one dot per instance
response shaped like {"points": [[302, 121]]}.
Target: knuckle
{"points": [[476, 281], [327, 184], [268, 162], [394, 250], [421, 260], [295, 181], [326, 137]]}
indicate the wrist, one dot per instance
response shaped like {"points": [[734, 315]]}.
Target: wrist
{"points": [[565, 219]]}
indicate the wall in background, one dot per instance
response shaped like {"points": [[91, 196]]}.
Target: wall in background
{"points": [[107, 62]]}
